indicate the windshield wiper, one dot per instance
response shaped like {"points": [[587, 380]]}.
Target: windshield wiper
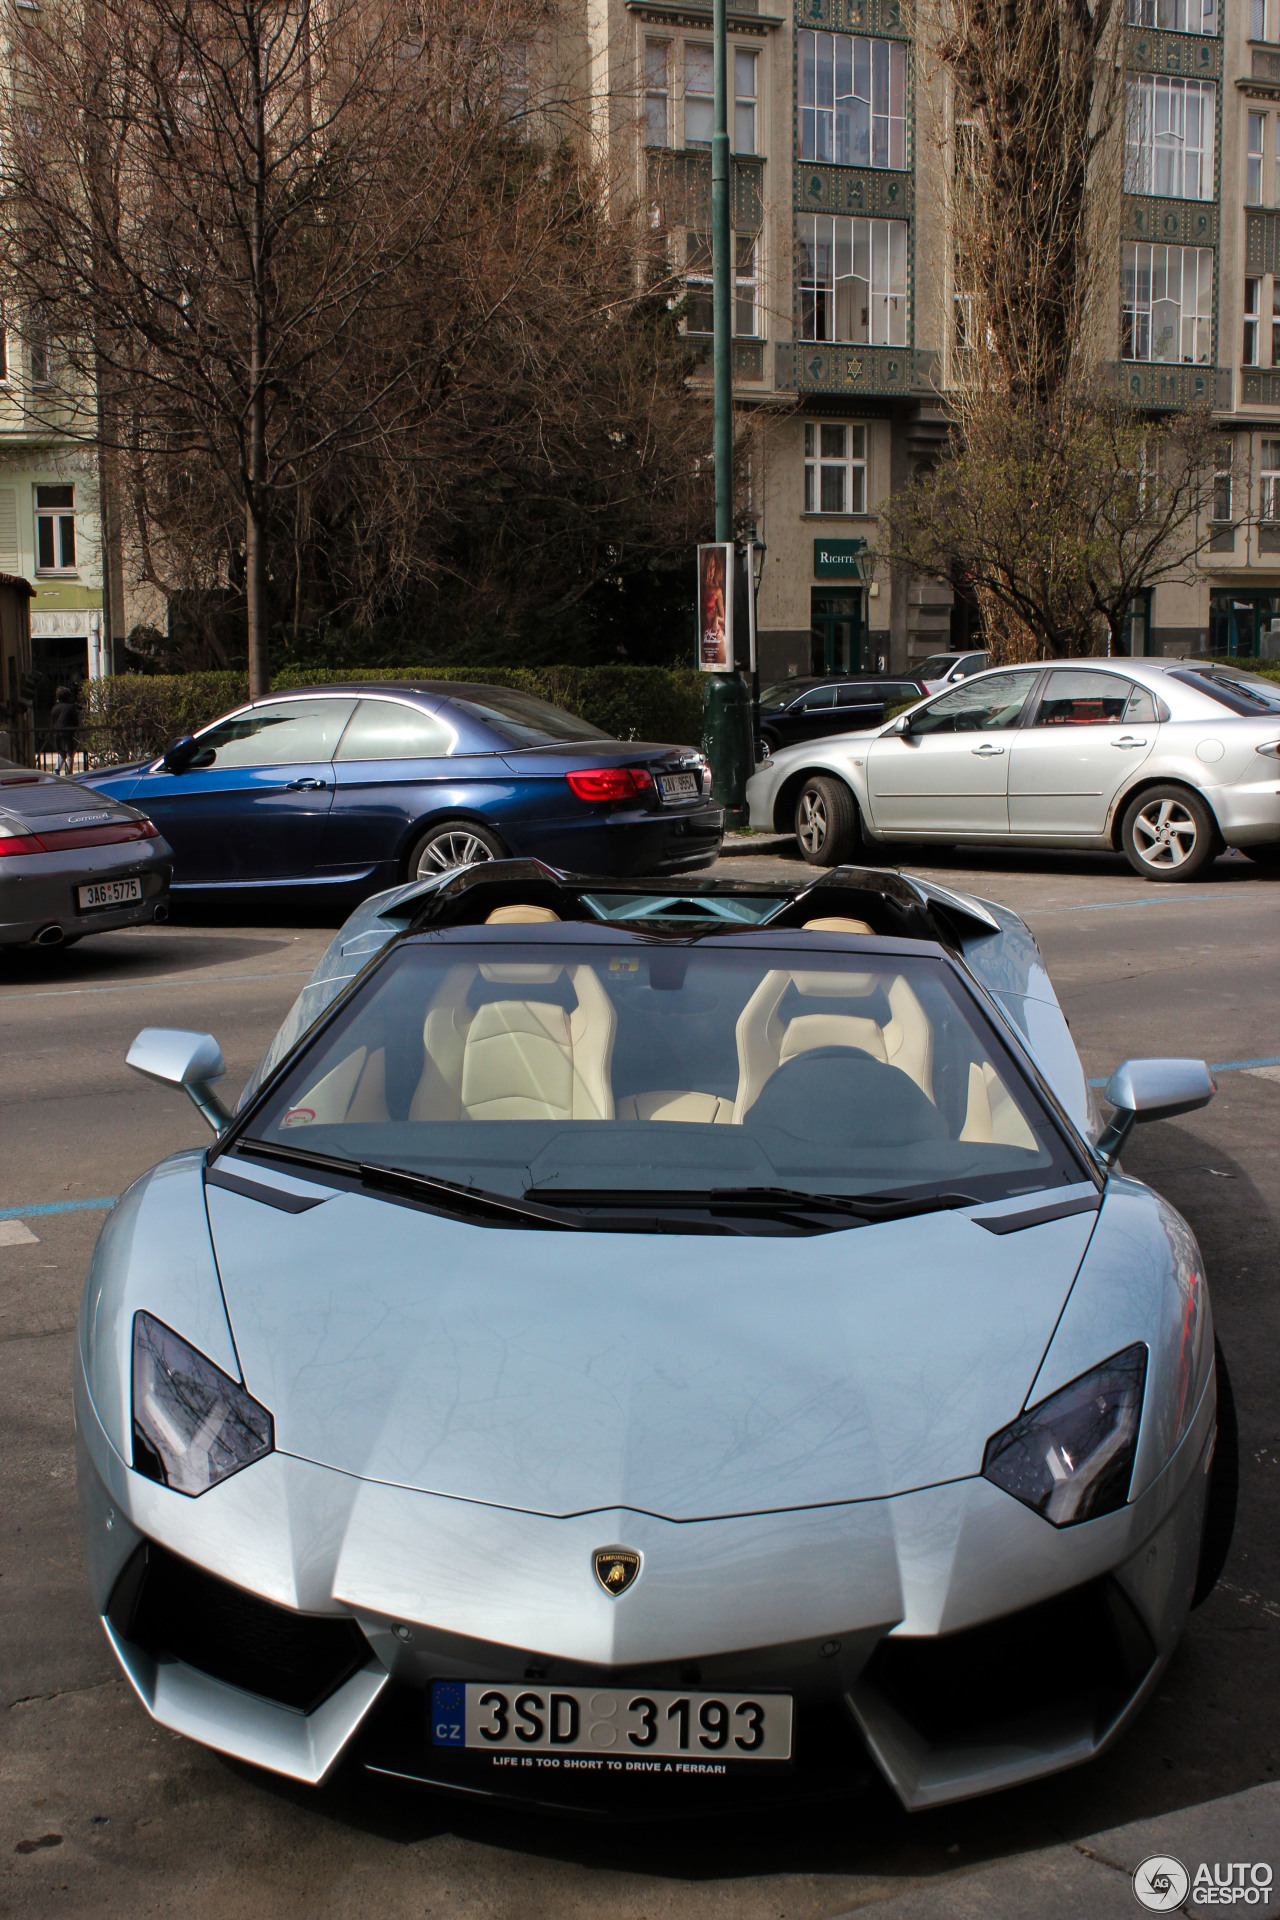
{"points": [[450, 1195], [781, 1201]]}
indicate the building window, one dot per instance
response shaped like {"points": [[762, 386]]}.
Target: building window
{"points": [[699, 312], [1249, 346], [1269, 470], [1178, 16], [1264, 19], [1169, 137], [55, 529], [1256, 147], [835, 467], [657, 93], [745, 305], [1222, 481], [1168, 304], [744, 102], [699, 307], [853, 95], [699, 96], [853, 280], [38, 349], [4, 353]]}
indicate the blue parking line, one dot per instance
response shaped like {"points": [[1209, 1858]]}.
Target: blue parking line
{"points": [[57, 1206]]}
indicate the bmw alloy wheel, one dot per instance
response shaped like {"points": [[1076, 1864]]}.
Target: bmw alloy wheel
{"points": [[455, 849], [1165, 833]]}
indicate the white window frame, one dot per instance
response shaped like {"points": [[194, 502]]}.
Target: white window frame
{"points": [[1254, 157], [853, 100], [1169, 131], [1150, 314], [1223, 471], [832, 247], [58, 519], [657, 90], [848, 463], [746, 282], [1252, 311], [1269, 478], [1264, 19], [1176, 16], [703, 103], [39, 354], [746, 104]]}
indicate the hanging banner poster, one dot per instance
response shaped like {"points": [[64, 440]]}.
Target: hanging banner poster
{"points": [[715, 607]]}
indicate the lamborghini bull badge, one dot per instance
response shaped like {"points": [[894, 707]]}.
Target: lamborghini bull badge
{"points": [[615, 1568]]}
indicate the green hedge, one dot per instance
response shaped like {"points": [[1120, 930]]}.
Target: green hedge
{"points": [[133, 715]]}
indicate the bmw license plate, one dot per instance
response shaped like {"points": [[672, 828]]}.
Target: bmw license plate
{"points": [[108, 893], [678, 786], [639, 1729]]}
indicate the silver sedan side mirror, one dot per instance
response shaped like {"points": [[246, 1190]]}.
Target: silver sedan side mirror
{"points": [[1152, 1090], [182, 1059]]}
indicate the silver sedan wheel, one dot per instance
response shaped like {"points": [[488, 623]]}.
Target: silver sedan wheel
{"points": [[812, 824], [1165, 834], [449, 850]]}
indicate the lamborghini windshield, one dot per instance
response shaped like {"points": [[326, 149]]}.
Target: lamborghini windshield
{"points": [[545, 1066]]}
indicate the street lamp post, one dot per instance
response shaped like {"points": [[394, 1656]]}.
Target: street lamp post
{"points": [[726, 714]]}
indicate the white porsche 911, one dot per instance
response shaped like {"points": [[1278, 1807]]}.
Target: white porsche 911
{"points": [[630, 1349]]}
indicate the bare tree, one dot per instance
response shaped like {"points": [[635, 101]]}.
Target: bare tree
{"points": [[276, 239]]}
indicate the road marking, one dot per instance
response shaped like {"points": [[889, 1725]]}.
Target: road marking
{"points": [[1170, 899], [166, 980], [14, 1234], [57, 1206]]}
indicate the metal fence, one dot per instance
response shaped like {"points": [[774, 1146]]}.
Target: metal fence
{"points": [[71, 750]]}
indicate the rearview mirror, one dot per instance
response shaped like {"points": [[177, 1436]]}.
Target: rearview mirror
{"points": [[178, 755], [178, 1058], [1152, 1090]]}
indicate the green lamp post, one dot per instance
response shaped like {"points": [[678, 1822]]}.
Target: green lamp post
{"points": [[726, 707]]}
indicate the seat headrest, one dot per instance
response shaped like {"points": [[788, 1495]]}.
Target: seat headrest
{"points": [[836, 923], [836, 986], [521, 913], [521, 973]]}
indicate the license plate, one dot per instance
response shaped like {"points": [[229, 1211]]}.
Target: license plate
{"points": [[627, 1725], [678, 786], [108, 893]]}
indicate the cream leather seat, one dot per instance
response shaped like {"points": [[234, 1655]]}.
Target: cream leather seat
{"points": [[766, 1042], [523, 1056], [706, 1109]]}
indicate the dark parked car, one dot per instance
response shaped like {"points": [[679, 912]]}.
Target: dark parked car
{"points": [[74, 862], [810, 709], [360, 787]]}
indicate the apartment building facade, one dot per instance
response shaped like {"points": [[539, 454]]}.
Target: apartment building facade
{"points": [[847, 318], [49, 518]]}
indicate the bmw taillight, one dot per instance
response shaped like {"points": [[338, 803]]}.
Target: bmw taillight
{"points": [[610, 783]]}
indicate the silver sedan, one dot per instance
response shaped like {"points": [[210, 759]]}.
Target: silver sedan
{"points": [[1169, 761]]}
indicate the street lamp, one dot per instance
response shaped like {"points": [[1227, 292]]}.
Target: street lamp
{"points": [[727, 733]]}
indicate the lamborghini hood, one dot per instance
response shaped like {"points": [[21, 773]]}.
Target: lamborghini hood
{"points": [[689, 1378]]}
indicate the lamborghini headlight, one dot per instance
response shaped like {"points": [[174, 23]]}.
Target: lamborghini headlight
{"points": [[192, 1424], [1071, 1458]]}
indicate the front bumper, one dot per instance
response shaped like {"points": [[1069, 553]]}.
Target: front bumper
{"points": [[950, 1636], [38, 890]]}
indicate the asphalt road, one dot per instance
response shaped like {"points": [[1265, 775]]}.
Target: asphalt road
{"points": [[101, 1813]]}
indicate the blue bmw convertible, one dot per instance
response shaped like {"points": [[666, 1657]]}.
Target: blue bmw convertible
{"points": [[361, 787]]}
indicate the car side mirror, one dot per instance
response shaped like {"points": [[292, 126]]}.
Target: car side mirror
{"points": [[179, 754], [1152, 1090], [178, 1058]]}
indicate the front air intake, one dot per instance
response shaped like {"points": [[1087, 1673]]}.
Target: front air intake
{"points": [[175, 1610]]}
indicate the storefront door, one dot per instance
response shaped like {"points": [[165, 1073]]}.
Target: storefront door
{"points": [[837, 633]]}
